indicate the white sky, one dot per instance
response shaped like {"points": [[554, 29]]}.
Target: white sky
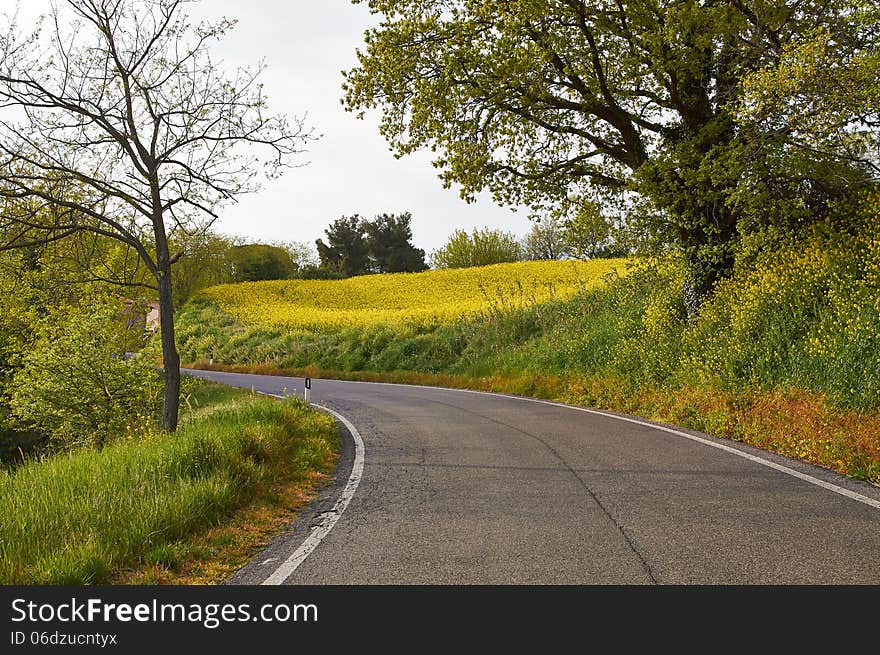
{"points": [[306, 45]]}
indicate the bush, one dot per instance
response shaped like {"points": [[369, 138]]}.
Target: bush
{"points": [[805, 315], [480, 248], [76, 384]]}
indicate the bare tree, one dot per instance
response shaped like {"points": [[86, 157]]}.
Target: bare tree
{"points": [[115, 120]]}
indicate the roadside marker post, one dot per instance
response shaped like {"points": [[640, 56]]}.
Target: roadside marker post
{"points": [[307, 393]]}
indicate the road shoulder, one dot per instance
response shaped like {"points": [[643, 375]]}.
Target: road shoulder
{"points": [[267, 561]]}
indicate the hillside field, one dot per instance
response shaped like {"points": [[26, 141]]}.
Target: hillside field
{"points": [[431, 297]]}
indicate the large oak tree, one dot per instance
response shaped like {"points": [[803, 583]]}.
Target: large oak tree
{"points": [[116, 121], [559, 103]]}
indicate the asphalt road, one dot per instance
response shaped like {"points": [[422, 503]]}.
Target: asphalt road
{"points": [[465, 488]]}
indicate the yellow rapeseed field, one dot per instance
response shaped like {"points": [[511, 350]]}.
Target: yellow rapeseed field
{"points": [[431, 297]]}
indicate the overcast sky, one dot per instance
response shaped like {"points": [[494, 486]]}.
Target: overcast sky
{"points": [[306, 45]]}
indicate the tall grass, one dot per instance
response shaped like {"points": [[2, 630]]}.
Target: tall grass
{"points": [[77, 518]]}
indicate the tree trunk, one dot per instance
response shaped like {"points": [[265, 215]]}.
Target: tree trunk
{"points": [[170, 357], [709, 254], [699, 282]]}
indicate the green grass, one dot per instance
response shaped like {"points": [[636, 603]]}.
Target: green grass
{"points": [[79, 518]]}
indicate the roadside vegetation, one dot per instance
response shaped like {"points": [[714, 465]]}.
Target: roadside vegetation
{"points": [[142, 507], [785, 355], [92, 488]]}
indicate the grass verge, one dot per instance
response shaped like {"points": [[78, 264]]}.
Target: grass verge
{"points": [[187, 507]]}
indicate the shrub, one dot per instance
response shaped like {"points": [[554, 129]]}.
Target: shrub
{"points": [[76, 385], [479, 248]]}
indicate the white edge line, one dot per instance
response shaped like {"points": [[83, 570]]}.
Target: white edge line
{"points": [[872, 502], [329, 518]]}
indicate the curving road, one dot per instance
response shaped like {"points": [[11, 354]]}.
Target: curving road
{"points": [[461, 488]]}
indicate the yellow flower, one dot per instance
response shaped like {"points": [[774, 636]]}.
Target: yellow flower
{"points": [[416, 298]]}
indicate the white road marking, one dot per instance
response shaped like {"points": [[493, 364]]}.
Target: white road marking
{"points": [[329, 518], [872, 502]]}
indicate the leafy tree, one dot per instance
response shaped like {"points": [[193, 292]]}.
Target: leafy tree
{"points": [[552, 103], [822, 98], [346, 250], [587, 232], [119, 123], [260, 261], [206, 261], [45, 285], [389, 241], [18, 310], [479, 248], [546, 240]]}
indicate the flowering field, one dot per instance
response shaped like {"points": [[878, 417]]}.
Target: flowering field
{"points": [[430, 297]]}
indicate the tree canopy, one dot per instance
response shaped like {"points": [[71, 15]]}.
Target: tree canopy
{"points": [[356, 246], [260, 261], [822, 96], [346, 249], [547, 240], [557, 103], [389, 241]]}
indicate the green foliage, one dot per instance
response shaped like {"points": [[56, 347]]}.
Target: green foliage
{"points": [[78, 518], [587, 232], [346, 249], [32, 282], [807, 316], [356, 246], [17, 313], [205, 261], [208, 259], [260, 261], [548, 239], [823, 93], [555, 105], [74, 382], [389, 239], [481, 247]]}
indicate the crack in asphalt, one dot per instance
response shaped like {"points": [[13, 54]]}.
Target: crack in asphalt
{"points": [[583, 483]]}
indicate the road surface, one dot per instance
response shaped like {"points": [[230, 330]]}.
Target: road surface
{"points": [[466, 488]]}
